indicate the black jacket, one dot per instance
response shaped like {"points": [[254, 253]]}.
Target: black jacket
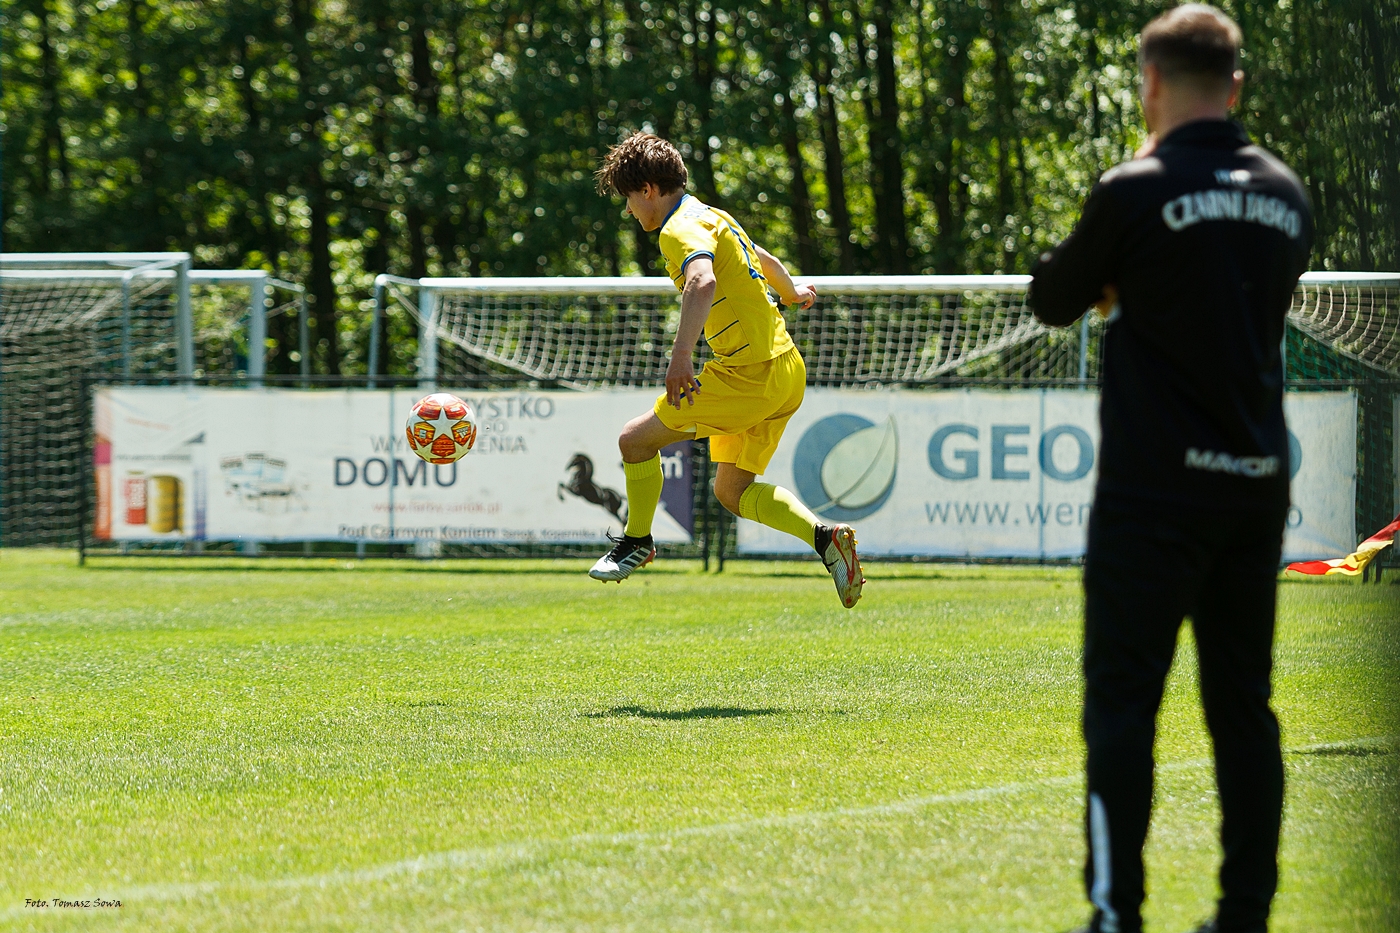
{"points": [[1204, 240]]}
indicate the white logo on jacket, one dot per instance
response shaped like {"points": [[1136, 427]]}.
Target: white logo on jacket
{"points": [[1214, 461], [1215, 204]]}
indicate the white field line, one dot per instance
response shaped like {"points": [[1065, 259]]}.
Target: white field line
{"points": [[490, 856]]}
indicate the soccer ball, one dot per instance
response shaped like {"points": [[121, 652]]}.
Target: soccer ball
{"points": [[441, 428]]}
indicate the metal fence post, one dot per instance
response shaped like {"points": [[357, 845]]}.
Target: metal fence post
{"points": [[375, 328], [184, 322], [427, 338], [126, 326], [303, 337], [257, 331], [1084, 347]]}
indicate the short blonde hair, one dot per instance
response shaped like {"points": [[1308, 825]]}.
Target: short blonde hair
{"points": [[638, 160]]}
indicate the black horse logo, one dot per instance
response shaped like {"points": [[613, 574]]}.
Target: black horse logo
{"points": [[581, 484]]}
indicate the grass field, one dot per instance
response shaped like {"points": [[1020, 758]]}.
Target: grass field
{"points": [[338, 746]]}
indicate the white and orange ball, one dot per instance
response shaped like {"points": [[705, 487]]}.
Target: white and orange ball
{"points": [[441, 428]]}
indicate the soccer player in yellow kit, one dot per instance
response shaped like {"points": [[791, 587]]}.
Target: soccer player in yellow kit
{"points": [[750, 388]]}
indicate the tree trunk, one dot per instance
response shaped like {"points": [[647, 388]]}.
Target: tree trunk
{"points": [[704, 65], [143, 195], [1387, 133], [951, 197], [425, 94], [894, 230], [417, 244], [880, 97], [322, 279], [873, 141], [833, 160], [54, 146], [801, 199], [321, 287], [1089, 22], [1001, 90]]}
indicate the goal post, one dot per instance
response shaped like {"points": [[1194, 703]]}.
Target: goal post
{"points": [[69, 319], [233, 311]]}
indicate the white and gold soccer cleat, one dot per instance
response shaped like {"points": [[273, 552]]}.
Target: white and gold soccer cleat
{"points": [[837, 548], [627, 555]]}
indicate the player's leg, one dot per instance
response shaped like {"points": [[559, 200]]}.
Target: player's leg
{"points": [[764, 503], [640, 443], [1234, 626], [742, 456], [1138, 576]]}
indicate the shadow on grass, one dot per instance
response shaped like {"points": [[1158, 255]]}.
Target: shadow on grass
{"points": [[698, 712], [1348, 751]]}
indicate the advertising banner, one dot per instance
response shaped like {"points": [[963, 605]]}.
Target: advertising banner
{"points": [[284, 464], [982, 473]]}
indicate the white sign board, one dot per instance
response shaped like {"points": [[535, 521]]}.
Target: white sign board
{"points": [[285, 464], [982, 473]]}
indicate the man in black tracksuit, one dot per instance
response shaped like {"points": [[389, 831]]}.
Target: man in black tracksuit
{"points": [[1200, 240]]}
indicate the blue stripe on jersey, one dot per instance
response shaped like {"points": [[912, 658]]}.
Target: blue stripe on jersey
{"points": [[695, 255]]}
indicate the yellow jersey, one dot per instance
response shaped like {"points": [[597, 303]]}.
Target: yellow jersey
{"points": [[745, 325]]}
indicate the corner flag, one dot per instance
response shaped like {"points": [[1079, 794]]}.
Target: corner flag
{"points": [[1353, 564]]}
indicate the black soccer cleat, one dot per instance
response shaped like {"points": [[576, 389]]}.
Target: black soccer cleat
{"points": [[627, 555]]}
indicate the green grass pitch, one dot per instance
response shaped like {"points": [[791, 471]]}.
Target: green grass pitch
{"points": [[478, 746]]}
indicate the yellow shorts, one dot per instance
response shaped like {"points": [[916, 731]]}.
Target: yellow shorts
{"points": [[742, 409]]}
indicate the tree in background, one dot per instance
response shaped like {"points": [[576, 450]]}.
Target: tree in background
{"points": [[332, 142]]}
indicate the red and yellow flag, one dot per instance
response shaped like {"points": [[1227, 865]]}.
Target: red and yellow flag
{"points": [[1354, 563]]}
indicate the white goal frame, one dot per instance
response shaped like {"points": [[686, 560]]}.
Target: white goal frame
{"points": [[422, 297], [176, 266]]}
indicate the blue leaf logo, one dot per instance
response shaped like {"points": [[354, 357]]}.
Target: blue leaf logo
{"points": [[845, 466]]}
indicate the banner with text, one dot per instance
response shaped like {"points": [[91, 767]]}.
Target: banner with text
{"points": [[984, 473], [285, 464]]}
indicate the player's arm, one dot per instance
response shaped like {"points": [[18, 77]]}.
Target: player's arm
{"points": [[777, 275], [1077, 274], [697, 296]]}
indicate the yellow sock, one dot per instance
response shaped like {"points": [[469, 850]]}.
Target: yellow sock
{"points": [[777, 508], [643, 492]]}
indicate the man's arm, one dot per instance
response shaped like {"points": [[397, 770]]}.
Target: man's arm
{"points": [[1077, 273], [777, 275], [696, 298]]}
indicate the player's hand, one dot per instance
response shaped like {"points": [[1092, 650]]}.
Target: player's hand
{"points": [[681, 381], [1147, 148], [1105, 304], [802, 296]]}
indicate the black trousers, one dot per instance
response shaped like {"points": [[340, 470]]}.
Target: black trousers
{"points": [[1149, 566]]}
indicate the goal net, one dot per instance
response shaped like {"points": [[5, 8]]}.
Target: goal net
{"points": [[67, 319], [864, 331], [872, 331]]}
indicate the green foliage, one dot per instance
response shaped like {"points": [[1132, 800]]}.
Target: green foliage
{"points": [[315, 745], [329, 142]]}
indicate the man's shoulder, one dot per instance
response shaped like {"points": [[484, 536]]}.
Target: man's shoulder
{"points": [[1132, 173], [1271, 165]]}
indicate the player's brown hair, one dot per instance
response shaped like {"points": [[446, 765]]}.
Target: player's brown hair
{"points": [[639, 159], [1193, 41]]}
